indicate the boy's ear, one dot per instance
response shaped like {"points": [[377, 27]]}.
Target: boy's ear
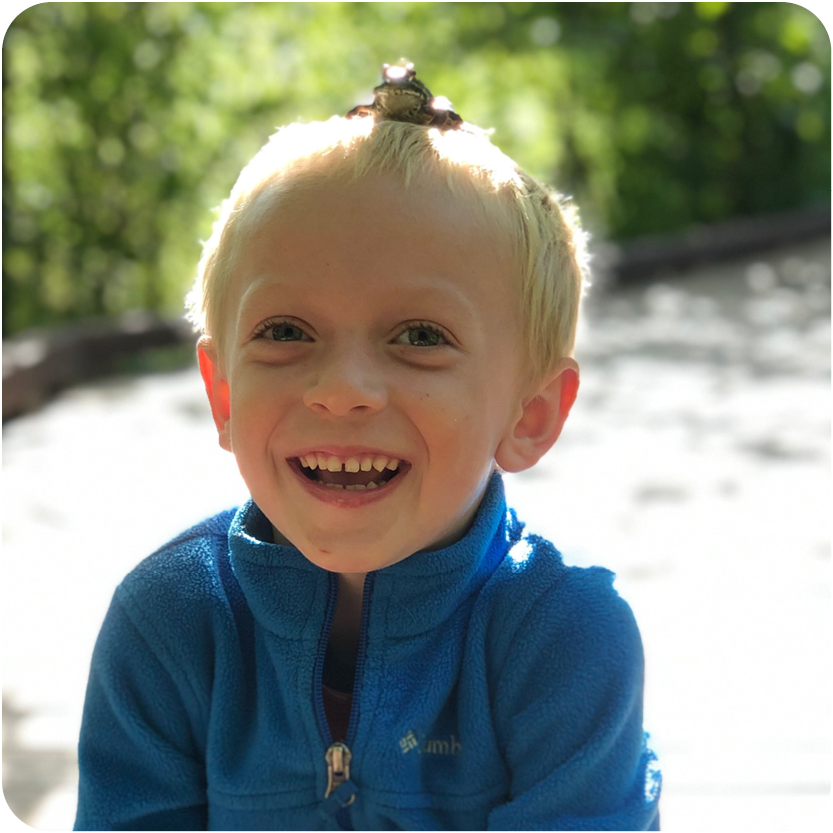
{"points": [[542, 416], [217, 389]]}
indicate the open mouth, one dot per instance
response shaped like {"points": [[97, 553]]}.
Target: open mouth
{"points": [[375, 474]]}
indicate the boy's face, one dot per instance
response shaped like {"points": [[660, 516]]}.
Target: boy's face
{"points": [[326, 347]]}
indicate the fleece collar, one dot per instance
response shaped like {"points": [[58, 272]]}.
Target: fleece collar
{"points": [[288, 594]]}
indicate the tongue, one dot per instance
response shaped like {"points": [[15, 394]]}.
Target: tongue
{"points": [[352, 478]]}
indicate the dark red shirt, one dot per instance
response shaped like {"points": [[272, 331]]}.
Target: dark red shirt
{"points": [[337, 708]]}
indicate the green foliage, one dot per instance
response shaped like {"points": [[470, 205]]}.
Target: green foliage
{"points": [[127, 123]]}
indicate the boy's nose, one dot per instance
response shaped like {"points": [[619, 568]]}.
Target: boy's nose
{"points": [[350, 380]]}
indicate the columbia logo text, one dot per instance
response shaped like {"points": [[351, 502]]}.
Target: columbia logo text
{"points": [[430, 746]]}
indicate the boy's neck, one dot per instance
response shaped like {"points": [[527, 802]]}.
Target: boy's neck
{"points": [[351, 585], [347, 619]]}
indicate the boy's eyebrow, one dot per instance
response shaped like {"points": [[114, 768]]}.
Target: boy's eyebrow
{"points": [[437, 290]]}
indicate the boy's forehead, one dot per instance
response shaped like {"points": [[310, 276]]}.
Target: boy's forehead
{"points": [[420, 239], [378, 193]]}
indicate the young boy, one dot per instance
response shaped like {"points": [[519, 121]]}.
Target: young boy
{"points": [[372, 642]]}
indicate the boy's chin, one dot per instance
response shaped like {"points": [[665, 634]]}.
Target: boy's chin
{"points": [[343, 561], [359, 552], [351, 554]]}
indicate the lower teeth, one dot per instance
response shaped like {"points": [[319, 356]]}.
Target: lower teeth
{"points": [[358, 486]]}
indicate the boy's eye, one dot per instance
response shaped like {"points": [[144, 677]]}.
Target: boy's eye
{"points": [[422, 335], [286, 332], [282, 331]]}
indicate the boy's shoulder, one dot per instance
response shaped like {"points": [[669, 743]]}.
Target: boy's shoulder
{"points": [[177, 604], [533, 573], [535, 597], [186, 570]]}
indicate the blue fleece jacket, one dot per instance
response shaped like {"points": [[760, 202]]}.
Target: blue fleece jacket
{"points": [[496, 688]]}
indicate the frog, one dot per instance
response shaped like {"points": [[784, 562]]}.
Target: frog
{"points": [[403, 97]]}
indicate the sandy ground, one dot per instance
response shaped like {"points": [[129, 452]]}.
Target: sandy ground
{"points": [[696, 465]]}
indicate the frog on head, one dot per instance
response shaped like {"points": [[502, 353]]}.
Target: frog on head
{"points": [[403, 97], [388, 314]]}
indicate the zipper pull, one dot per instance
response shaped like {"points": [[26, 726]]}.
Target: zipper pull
{"points": [[338, 768]]}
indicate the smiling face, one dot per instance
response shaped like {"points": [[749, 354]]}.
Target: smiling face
{"points": [[368, 321]]}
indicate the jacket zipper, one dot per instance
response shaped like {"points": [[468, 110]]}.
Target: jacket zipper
{"points": [[338, 758], [338, 755]]}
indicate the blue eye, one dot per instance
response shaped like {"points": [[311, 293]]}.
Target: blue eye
{"points": [[284, 331], [424, 334]]}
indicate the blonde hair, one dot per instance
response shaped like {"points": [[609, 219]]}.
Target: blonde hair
{"points": [[551, 248]]}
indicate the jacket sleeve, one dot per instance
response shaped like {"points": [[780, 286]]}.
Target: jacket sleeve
{"points": [[139, 757], [569, 708]]}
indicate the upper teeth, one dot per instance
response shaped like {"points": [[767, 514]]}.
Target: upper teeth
{"points": [[364, 463]]}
